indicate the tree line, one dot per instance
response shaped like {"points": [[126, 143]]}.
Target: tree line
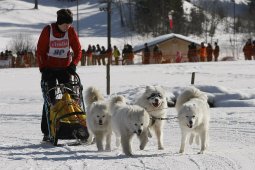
{"points": [[151, 17]]}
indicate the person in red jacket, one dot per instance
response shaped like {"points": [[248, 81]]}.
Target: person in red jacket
{"points": [[54, 57]]}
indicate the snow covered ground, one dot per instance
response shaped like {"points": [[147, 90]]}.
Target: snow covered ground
{"points": [[230, 85]]}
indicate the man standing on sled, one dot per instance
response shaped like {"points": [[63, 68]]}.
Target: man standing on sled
{"points": [[54, 58]]}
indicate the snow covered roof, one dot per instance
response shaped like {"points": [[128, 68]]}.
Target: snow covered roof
{"points": [[163, 38]]}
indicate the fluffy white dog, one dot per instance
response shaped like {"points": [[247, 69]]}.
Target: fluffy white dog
{"points": [[193, 116], [98, 119], [128, 120], [155, 103]]}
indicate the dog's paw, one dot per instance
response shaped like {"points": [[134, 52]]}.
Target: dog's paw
{"points": [[160, 148], [129, 154], [142, 146], [201, 152], [181, 151], [108, 149], [100, 150]]}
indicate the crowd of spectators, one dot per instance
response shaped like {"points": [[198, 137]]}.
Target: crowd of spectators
{"points": [[99, 55], [21, 59]]}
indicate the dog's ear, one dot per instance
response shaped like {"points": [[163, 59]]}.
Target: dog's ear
{"points": [[149, 88], [95, 98], [93, 104]]}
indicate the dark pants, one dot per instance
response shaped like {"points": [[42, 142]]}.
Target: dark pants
{"points": [[51, 78]]}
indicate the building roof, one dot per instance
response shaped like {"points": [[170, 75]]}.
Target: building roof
{"points": [[162, 38]]}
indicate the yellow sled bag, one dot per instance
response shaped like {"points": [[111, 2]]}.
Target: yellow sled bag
{"points": [[66, 111]]}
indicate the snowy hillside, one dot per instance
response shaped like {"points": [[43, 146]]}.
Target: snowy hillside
{"points": [[20, 17]]}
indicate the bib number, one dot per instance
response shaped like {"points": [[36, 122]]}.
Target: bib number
{"points": [[58, 52]]}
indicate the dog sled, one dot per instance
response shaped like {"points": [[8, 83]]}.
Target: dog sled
{"points": [[66, 117]]}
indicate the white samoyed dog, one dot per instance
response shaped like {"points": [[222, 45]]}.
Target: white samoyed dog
{"points": [[154, 101], [98, 119], [128, 120], [194, 117]]}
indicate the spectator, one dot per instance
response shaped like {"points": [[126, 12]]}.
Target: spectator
{"points": [[130, 55], [102, 56], [189, 54], [209, 52], [178, 57], [192, 53], [157, 54], [108, 54], [98, 53], [116, 55], [247, 50], [216, 51], [146, 54], [94, 55], [83, 57], [89, 55], [124, 54], [202, 52]]}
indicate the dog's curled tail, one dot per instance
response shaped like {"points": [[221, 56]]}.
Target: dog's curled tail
{"points": [[115, 100], [93, 94], [187, 94]]}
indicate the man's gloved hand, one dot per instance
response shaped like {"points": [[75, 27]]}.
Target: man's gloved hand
{"points": [[44, 72], [71, 68]]}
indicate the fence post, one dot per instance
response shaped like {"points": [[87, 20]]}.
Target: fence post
{"points": [[193, 78]]}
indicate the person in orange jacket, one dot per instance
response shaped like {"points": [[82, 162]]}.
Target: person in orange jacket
{"points": [[54, 57], [202, 52]]}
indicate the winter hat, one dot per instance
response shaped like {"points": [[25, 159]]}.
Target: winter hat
{"points": [[64, 16]]}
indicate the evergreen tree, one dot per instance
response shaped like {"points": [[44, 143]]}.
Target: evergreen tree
{"points": [[196, 19], [251, 4], [152, 16], [178, 15], [250, 23]]}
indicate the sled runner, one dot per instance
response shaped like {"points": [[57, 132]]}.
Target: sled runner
{"points": [[65, 113]]}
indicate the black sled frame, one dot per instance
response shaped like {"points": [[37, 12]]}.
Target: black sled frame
{"points": [[70, 130]]}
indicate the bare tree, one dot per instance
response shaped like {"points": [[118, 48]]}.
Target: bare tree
{"points": [[22, 42]]}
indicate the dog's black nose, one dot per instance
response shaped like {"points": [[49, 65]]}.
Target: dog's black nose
{"points": [[100, 122], [139, 131], [190, 122], [156, 100]]}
